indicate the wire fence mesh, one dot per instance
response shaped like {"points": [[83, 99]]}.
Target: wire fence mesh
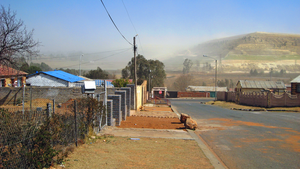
{"points": [[36, 135]]}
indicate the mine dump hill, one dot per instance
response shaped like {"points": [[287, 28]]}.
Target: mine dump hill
{"points": [[253, 46]]}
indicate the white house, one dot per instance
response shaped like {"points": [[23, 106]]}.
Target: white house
{"points": [[56, 78]]}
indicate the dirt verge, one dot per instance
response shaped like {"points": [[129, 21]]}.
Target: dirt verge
{"points": [[122, 152]]}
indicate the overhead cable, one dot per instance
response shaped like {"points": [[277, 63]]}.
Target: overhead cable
{"points": [[114, 23], [99, 58], [132, 24], [85, 54]]}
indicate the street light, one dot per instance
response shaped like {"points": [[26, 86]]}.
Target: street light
{"points": [[216, 72]]}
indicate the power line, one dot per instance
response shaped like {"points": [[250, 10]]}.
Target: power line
{"points": [[114, 23], [99, 58], [85, 54], [132, 25]]}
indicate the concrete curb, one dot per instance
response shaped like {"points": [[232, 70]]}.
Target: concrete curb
{"points": [[212, 158], [175, 111]]}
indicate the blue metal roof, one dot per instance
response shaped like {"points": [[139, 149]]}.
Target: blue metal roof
{"points": [[63, 75], [99, 82]]}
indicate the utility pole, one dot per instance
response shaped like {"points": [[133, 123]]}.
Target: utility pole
{"points": [[149, 85], [135, 73]]}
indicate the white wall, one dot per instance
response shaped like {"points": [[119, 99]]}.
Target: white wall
{"points": [[46, 80]]}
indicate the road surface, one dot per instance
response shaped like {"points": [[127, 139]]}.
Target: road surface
{"points": [[246, 139]]}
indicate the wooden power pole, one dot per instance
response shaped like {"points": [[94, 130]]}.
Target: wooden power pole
{"points": [[135, 73]]}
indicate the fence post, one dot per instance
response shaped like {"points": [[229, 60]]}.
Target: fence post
{"points": [[75, 109], [53, 107], [269, 99], [105, 101], [30, 100], [99, 117], [23, 106], [285, 95], [48, 110]]}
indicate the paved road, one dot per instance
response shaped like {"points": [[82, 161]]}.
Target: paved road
{"points": [[245, 139]]}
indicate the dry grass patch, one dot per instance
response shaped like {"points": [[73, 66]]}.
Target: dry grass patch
{"points": [[122, 152], [230, 105]]}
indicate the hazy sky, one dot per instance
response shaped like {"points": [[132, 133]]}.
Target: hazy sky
{"points": [[163, 26]]}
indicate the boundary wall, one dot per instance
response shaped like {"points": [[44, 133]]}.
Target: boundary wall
{"points": [[266, 99], [193, 94]]}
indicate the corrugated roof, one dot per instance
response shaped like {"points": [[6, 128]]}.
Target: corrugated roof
{"points": [[61, 75], [296, 80], [100, 82], [206, 88], [262, 84], [8, 71]]}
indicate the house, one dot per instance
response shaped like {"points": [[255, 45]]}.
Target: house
{"points": [[11, 77], [210, 89], [56, 78], [295, 85], [249, 86]]}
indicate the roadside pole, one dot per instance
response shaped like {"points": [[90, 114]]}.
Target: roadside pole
{"points": [[135, 73]]}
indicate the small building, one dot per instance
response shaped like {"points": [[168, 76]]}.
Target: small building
{"points": [[206, 89], [249, 86], [159, 92], [295, 85], [56, 78], [10, 77]]}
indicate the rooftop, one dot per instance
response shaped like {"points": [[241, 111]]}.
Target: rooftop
{"points": [[262, 84], [61, 75], [8, 71], [206, 89], [296, 80]]}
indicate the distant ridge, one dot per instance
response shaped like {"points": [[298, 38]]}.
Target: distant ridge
{"points": [[246, 45]]}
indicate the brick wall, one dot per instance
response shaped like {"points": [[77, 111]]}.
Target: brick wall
{"points": [[116, 108], [122, 93], [132, 100], [128, 98], [253, 99], [110, 113], [221, 96], [263, 99], [10, 95], [193, 94]]}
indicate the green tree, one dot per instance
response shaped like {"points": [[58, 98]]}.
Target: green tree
{"points": [[143, 71], [71, 71], [182, 82], [187, 65], [125, 73], [33, 69], [24, 67], [97, 74], [221, 83], [120, 82], [42, 65], [45, 67], [282, 72]]}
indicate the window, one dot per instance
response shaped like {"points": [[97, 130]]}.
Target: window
{"points": [[298, 88], [2, 83]]}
